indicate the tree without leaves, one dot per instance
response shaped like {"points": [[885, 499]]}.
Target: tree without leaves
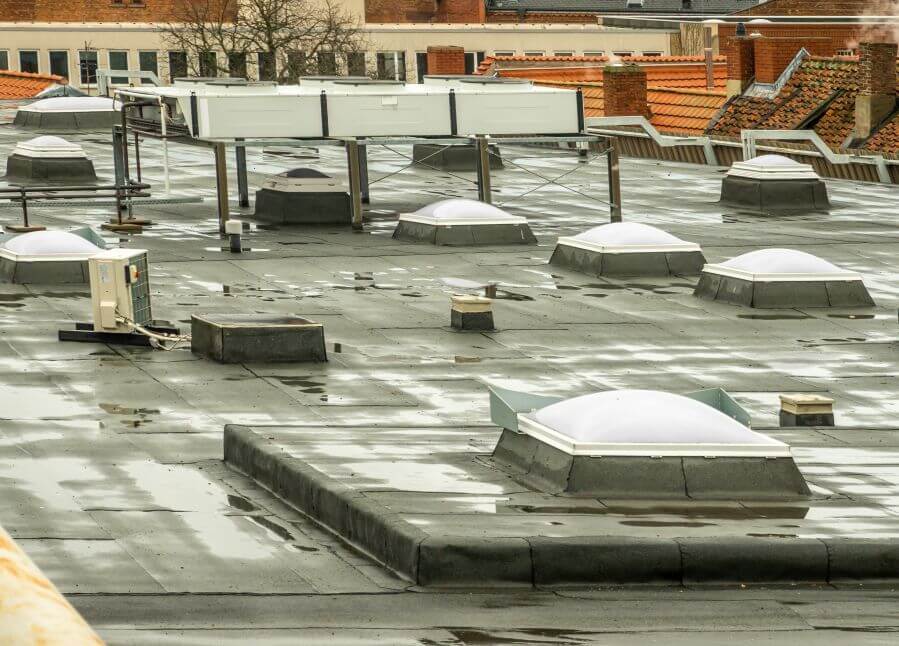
{"points": [[301, 37]]}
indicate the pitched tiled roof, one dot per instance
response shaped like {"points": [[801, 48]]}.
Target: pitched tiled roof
{"points": [[821, 94], [674, 111], [23, 85], [664, 71]]}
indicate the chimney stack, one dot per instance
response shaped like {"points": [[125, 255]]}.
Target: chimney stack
{"points": [[877, 86], [624, 91], [740, 64], [447, 59]]}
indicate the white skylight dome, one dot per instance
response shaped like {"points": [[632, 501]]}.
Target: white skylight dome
{"points": [[780, 265], [627, 237], [48, 146], [48, 245], [72, 104], [461, 211], [772, 167], [645, 423]]}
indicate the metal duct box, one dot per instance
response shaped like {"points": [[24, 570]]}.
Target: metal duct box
{"points": [[254, 338], [303, 196]]}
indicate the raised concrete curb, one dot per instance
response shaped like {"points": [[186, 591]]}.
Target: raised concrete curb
{"points": [[477, 562]]}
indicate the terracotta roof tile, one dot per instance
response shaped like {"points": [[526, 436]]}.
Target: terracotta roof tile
{"points": [[23, 85], [821, 93], [673, 110]]}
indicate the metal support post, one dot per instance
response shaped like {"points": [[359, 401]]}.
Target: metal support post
{"points": [[137, 156], [126, 173], [614, 185], [363, 173], [484, 193], [243, 191], [221, 184], [118, 162], [354, 171]]}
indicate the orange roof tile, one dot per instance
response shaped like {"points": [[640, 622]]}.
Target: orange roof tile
{"points": [[674, 111], [821, 94], [24, 85]]}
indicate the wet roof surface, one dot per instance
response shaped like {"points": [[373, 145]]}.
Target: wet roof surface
{"points": [[110, 458]]}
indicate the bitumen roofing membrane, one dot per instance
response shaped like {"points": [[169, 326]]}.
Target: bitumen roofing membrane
{"points": [[111, 471]]}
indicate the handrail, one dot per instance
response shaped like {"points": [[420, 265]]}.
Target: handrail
{"points": [[103, 77], [24, 193], [749, 139], [605, 125]]}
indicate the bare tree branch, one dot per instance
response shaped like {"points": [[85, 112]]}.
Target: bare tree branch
{"points": [[292, 37]]}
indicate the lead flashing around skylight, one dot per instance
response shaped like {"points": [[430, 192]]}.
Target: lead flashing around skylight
{"points": [[461, 212], [750, 266], [682, 246], [530, 426], [48, 147], [761, 168]]}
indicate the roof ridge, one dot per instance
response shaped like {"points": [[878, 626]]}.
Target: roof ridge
{"points": [[32, 75]]}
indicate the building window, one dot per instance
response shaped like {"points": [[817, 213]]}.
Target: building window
{"points": [[594, 53], [327, 63], [4, 59], [118, 61], [622, 54], [149, 62], [652, 53], [237, 65], [472, 60], [845, 52], [87, 66], [28, 61], [266, 63], [564, 53], [421, 66], [208, 64], [392, 66], [355, 63], [59, 63], [177, 65], [504, 53], [533, 53], [297, 63]]}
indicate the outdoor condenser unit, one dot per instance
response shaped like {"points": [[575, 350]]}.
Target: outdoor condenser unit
{"points": [[120, 290]]}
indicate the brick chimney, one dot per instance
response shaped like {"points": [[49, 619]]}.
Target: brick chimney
{"points": [[876, 86], [740, 64], [624, 91], [447, 59]]}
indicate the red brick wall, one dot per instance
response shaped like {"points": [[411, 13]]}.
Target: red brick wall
{"points": [[391, 11], [825, 40], [772, 55], [446, 60], [877, 68], [624, 91], [88, 10], [740, 60], [814, 8]]}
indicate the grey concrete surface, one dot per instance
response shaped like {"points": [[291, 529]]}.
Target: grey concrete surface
{"points": [[117, 451]]}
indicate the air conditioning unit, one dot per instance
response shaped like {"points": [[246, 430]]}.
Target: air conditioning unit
{"points": [[120, 290]]}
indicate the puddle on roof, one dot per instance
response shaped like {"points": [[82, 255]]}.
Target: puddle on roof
{"points": [[711, 512], [854, 316]]}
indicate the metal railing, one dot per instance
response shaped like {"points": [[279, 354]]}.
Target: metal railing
{"points": [[123, 194], [607, 126]]}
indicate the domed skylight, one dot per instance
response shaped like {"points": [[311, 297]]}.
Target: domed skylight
{"points": [[772, 167], [780, 264], [628, 236], [47, 146], [72, 104], [645, 423], [461, 211], [48, 245]]}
